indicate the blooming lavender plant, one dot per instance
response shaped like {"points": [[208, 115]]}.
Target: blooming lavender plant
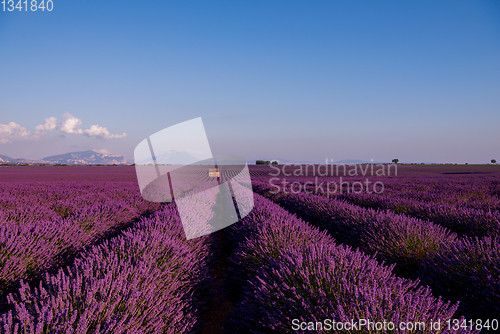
{"points": [[43, 221], [462, 220], [395, 238], [276, 228], [140, 282], [468, 269], [296, 272]]}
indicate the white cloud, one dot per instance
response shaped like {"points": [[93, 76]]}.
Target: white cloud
{"points": [[13, 132], [101, 132], [103, 151], [71, 124], [48, 125]]}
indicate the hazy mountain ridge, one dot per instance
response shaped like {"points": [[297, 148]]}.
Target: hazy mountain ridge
{"points": [[305, 162], [6, 159], [88, 157], [173, 157]]}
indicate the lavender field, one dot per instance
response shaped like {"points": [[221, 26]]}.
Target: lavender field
{"points": [[82, 252]]}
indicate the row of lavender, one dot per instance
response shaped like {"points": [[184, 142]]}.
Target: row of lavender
{"points": [[43, 222], [460, 217], [449, 186], [480, 192], [457, 215], [150, 279], [475, 188], [292, 273], [465, 270]]}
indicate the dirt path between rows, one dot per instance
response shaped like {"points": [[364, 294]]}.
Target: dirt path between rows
{"points": [[222, 306]]}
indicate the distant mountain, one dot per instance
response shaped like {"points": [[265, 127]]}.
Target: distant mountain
{"points": [[283, 161], [86, 158], [350, 161], [304, 162], [173, 157], [6, 159]]}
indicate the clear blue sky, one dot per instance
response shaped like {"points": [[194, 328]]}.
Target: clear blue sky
{"points": [[296, 80]]}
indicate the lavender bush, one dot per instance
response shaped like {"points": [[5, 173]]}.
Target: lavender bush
{"points": [[42, 221], [462, 220], [277, 229], [140, 282], [395, 238], [468, 269], [466, 204], [311, 279], [459, 269]]}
